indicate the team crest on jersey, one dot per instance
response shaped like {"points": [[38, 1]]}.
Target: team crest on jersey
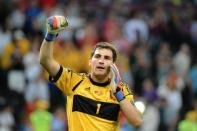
{"points": [[99, 93]]}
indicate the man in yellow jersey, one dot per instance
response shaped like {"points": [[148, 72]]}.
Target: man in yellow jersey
{"points": [[94, 100]]}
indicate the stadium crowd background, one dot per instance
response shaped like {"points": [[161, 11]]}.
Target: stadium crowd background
{"points": [[157, 41]]}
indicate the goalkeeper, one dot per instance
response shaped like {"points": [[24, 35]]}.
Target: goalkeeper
{"points": [[94, 100]]}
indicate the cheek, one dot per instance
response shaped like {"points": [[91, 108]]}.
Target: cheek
{"points": [[108, 69], [108, 65], [91, 63]]}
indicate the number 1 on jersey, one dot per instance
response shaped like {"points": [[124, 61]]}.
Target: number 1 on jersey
{"points": [[98, 108]]}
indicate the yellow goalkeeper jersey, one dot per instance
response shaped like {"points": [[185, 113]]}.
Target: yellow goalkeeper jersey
{"points": [[90, 105]]}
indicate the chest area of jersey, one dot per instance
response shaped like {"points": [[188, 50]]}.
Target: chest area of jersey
{"points": [[96, 101], [94, 92]]}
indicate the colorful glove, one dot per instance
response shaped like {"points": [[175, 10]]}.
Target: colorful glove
{"points": [[54, 25], [116, 80]]}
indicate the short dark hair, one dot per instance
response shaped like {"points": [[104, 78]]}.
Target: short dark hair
{"points": [[105, 45]]}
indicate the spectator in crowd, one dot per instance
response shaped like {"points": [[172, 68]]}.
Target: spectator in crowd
{"points": [[40, 118]]}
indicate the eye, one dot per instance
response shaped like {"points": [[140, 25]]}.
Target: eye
{"points": [[107, 57], [97, 56]]}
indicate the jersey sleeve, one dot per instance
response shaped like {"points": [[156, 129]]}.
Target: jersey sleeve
{"points": [[127, 92], [65, 80]]}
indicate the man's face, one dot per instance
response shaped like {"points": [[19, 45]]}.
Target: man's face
{"points": [[101, 61]]}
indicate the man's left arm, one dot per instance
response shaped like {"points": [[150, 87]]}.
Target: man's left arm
{"points": [[125, 98]]}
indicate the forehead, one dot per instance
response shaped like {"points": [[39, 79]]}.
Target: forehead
{"points": [[103, 51]]}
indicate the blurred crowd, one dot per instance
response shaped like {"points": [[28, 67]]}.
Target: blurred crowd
{"points": [[157, 45]]}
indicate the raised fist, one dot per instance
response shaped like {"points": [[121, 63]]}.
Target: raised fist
{"points": [[55, 24]]}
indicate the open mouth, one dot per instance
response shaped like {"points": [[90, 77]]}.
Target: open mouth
{"points": [[100, 67]]}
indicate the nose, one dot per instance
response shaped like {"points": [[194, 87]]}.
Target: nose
{"points": [[101, 61]]}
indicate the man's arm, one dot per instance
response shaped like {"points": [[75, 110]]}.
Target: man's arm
{"points": [[54, 25], [132, 114], [46, 58]]}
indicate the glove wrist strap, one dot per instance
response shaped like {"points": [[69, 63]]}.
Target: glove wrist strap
{"points": [[50, 37], [119, 95]]}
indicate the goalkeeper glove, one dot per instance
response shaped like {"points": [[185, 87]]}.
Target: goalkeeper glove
{"points": [[54, 25], [116, 80]]}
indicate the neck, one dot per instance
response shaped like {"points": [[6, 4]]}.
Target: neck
{"points": [[99, 79]]}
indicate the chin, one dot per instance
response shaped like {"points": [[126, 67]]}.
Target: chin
{"points": [[98, 73], [101, 74]]}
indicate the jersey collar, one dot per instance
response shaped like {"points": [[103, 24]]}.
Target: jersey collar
{"points": [[99, 84]]}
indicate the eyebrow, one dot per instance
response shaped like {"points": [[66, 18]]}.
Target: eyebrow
{"points": [[97, 54], [106, 56]]}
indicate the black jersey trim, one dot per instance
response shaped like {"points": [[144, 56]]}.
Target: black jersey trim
{"points": [[99, 84], [108, 111], [74, 88], [57, 76]]}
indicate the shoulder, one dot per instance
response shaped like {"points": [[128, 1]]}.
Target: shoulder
{"points": [[83, 75], [74, 73], [126, 87], [67, 69]]}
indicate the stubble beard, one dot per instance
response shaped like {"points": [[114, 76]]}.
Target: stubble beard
{"points": [[103, 76]]}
